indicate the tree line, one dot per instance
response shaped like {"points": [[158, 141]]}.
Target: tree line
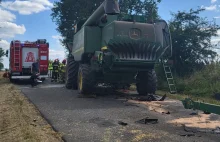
{"points": [[191, 33]]}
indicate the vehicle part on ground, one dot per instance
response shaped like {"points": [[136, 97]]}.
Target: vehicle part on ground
{"points": [[23, 54], [122, 123], [148, 121], [196, 105], [117, 49], [149, 98]]}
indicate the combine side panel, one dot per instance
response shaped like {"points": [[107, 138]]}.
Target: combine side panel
{"points": [[78, 45], [87, 40], [92, 39]]}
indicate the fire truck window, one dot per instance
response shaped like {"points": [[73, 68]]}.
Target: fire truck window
{"points": [[43, 58]]}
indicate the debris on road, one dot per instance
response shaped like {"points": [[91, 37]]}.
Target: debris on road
{"points": [[188, 135], [122, 123], [149, 98], [194, 113], [166, 112], [147, 121], [207, 108], [156, 106]]}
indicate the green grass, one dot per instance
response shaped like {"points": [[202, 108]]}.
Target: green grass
{"points": [[201, 85]]}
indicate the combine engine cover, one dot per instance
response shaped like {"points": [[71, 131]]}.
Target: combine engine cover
{"points": [[23, 54], [122, 41]]}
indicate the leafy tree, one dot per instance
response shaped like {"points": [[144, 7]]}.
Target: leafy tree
{"points": [[2, 53], [67, 13], [191, 39], [1, 66]]}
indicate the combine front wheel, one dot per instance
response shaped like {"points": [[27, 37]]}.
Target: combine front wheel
{"points": [[147, 83], [86, 80]]}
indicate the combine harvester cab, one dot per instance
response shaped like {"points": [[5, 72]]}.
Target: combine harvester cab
{"points": [[23, 54], [117, 49]]}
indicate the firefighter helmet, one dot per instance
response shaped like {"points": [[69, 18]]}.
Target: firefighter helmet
{"points": [[64, 61]]}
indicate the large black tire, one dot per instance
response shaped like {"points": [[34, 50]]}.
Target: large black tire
{"points": [[86, 80], [71, 73], [147, 82]]}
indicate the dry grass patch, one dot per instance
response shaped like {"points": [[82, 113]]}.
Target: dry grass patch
{"points": [[19, 120]]}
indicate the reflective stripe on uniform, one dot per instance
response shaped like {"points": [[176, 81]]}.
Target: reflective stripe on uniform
{"points": [[50, 67]]}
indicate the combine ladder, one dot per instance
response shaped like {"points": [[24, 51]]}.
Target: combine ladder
{"points": [[169, 77]]}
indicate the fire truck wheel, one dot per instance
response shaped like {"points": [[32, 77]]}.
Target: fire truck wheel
{"points": [[86, 81], [147, 82], [71, 73]]}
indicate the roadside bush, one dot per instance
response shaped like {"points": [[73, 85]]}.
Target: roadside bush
{"points": [[204, 82]]}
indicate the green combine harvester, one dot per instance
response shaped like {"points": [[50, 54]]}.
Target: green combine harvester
{"points": [[117, 50]]}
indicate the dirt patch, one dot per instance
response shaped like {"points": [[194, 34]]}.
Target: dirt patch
{"points": [[179, 116], [20, 121], [156, 106], [201, 121]]}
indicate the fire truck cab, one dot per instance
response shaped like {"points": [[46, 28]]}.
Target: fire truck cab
{"points": [[23, 54]]}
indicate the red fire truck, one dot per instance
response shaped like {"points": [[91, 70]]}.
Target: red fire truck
{"points": [[23, 54]]}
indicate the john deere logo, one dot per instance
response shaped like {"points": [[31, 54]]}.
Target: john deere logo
{"points": [[135, 33]]}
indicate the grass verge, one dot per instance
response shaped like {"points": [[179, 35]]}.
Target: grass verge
{"points": [[20, 121]]}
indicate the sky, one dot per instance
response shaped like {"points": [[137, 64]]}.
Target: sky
{"points": [[30, 20]]}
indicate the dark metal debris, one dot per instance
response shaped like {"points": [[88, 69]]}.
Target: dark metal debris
{"points": [[193, 113], [166, 112], [163, 98], [187, 135], [150, 98], [122, 123], [147, 121]]}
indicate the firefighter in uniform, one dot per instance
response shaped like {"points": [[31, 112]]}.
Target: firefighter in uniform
{"points": [[55, 70], [58, 74], [62, 71], [50, 69]]}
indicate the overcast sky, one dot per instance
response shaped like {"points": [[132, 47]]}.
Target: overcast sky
{"points": [[30, 20]]}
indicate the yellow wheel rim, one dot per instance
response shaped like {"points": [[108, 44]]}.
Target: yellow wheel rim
{"points": [[80, 81]]}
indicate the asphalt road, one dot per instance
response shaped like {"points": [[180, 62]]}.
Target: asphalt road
{"points": [[97, 119]]}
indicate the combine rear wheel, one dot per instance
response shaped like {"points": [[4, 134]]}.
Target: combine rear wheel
{"points": [[86, 81], [71, 73], [147, 82]]}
